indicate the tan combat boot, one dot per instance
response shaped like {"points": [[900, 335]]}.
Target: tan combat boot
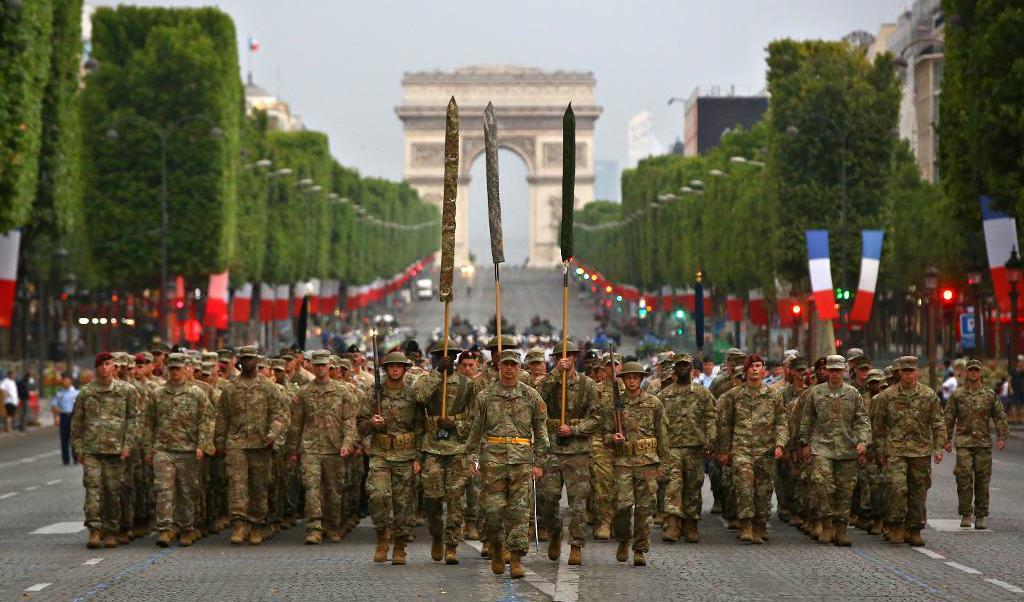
{"points": [[255, 536], [638, 558], [979, 523], [95, 539], [622, 553], [733, 524], [334, 535], [122, 538], [497, 559], [485, 550], [555, 546], [815, 531], [670, 531], [690, 530], [381, 553], [164, 540], [575, 556], [237, 532], [515, 565], [757, 532], [965, 521], [827, 532], [110, 540], [451, 555], [876, 527], [197, 534], [841, 537], [604, 532], [915, 538], [398, 554], [895, 534], [746, 530], [436, 549], [313, 537], [186, 538]]}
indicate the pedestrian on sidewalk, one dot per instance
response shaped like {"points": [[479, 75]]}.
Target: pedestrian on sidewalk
{"points": [[62, 405], [9, 396]]}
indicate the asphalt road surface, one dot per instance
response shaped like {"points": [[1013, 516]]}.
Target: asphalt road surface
{"points": [[43, 556]]}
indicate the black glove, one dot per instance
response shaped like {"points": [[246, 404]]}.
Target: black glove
{"points": [[444, 364]]}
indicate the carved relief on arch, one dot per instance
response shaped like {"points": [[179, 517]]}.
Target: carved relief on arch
{"points": [[472, 146], [553, 154]]}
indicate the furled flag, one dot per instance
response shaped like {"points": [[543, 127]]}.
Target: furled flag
{"points": [[871, 243], [216, 315], [757, 309], [9, 244], [821, 274], [242, 308], [1000, 240], [734, 308], [266, 302], [281, 302]]}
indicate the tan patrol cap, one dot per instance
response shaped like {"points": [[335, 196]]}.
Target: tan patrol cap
{"points": [[835, 362], [906, 362], [975, 364], [510, 355], [248, 351]]}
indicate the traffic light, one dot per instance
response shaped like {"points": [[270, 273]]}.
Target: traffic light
{"points": [[796, 310], [680, 314], [842, 294], [948, 296]]}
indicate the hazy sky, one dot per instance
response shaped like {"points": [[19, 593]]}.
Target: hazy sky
{"points": [[340, 63]]}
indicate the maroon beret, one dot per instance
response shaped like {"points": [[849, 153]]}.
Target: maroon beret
{"points": [[753, 357], [103, 356]]}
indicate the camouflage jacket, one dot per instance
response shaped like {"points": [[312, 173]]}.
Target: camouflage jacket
{"points": [[752, 421], [460, 406], [645, 426], [970, 413], [400, 439], [692, 415], [910, 423], [581, 410], [146, 396], [511, 412], [180, 419], [795, 405], [721, 383], [326, 415], [489, 376], [106, 419], [835, 422], [254, 414]]}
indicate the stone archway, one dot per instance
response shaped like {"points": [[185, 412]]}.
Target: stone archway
{"points": [[528, 104]]}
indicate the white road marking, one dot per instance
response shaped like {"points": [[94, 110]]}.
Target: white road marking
{"points": [[966, 569], [7, 495], [93, 561], [63, 528], [1007, 586], [53, 482], [32, 488], [543, 585], [567, 581], [929, 553], [952, 525], [38, 587], [29, 459]]}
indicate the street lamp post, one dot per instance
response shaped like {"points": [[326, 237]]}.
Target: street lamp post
{"points": [[974, 281], [1013, 274], [931, 284]]}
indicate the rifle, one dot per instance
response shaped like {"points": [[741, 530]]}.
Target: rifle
{"points": [[376, 375], [617, 404]]}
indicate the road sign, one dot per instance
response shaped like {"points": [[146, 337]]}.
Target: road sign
{"points": [[967, 330]]}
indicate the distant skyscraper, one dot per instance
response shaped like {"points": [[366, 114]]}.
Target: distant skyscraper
{"points": [[642, 143], [606, 180]]}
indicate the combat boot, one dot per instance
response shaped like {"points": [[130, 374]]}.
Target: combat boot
{"points": [[965, 521], [638, 558], [827, 533], [472, 533], [659, 519], [313, 537], [876, 527], [186, 539], [436, 549], [604, 532], [110, 541], [622, 552], [733, 524], [757, 532], [555, 545], [575, 556], [255, 536], [485, 550], [451, 555], [398, 554], [334, 535], [746, 530], [690, 530], [381, 553], [95, 539], [841, 537], [815, 531], [915, 538], [515, 566], [542, 533], [670, 532], [164, 540], [237, 532], [196, 535], [122, 538], [895, 534], [979, 523], [497, 559], [507, 557]]}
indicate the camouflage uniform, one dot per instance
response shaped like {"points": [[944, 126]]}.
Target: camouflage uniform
{"points": [[788, 471], [181, 420], [508, 438], [104, 425], [445, 466], [602, 481], [692, 431], [753, 424], [910, 429], [568, 462], [969, 413], [144, 502]]}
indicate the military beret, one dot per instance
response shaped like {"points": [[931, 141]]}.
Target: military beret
{"points": [[906, 362], [176, 360], [835, 362], [974, 364], [248, 351], [321, 357], [103, 356], [751, 360], [395, 357], [683, 358], [633, 368], [510, 355], [144, 357], [570, 347], [535, 355]]}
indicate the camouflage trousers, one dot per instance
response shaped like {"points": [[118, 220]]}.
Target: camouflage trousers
{"points": [[323, 480], [685, 472], [911, 478], [144, 492], [505, 500], [216, 490], [292, 485], [444, 481], [752, 486], [202, 516], [357, 478], [973, 473], [636, 497], [602, 483], [277, 484], [473, 514], [784, 485], [833, 482], [799, 475], [391, 487], [103, 479], [248, 473], [867, 483], [129, 487], [727, 488], [715, 478], [176, 480], [573, 472]]}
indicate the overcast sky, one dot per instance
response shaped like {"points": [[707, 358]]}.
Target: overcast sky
{"points": [[340, 63]]}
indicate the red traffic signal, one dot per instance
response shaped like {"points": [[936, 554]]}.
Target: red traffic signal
{"points": [[796, 309], [948, 295]]}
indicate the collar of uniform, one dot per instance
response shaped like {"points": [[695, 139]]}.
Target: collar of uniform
{"points": [[749, 392], [515, 390]]}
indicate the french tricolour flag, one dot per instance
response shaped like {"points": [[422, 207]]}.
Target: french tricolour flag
{"points": [[281, 302], [871, 243], [9, 244], [821, 273], [217, 302], [266, 302], [242, 308], [1000, 239], [758, 311]]}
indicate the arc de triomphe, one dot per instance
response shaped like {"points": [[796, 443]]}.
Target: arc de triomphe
{"points": [[528, 104]]}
